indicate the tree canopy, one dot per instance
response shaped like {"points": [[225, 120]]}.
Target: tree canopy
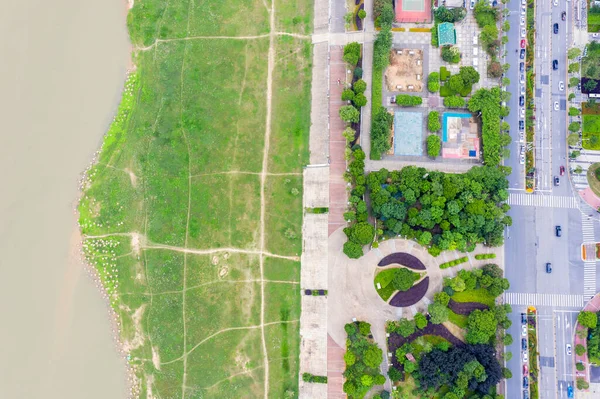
{"points": [[587, 319], [352, 53], [481, 326], [404, 278]]}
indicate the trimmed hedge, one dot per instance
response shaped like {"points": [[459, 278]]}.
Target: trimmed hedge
{"points": [[445, 92], [406, 100], [455, 102], [308, 377], [444, 74], [317, 210], [485, 256], [454, 262]]}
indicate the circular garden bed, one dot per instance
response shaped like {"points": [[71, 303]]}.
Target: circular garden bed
{"points": [[593, 178], [398, 283], [404, 259]]}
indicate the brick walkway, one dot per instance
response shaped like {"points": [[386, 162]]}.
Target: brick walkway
{"points": [[337, 163], [592, 306], [335, 368]]}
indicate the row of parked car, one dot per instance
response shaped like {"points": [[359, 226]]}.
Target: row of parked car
{"points": [[522, 84], [525, 355]]}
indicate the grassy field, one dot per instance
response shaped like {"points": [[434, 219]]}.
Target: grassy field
{"points": [[591, 132], [480, 295], [384, 278], [192, 215], [593, 181]]}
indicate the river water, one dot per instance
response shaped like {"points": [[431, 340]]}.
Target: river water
{"points": [[62, 68]]}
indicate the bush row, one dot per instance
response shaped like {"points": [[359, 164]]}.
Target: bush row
{"points": [[485, 256], [308, 377], [454, 262]]}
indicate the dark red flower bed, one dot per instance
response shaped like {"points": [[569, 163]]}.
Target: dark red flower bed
{"points": [[465, 308], [404, 259], [413, 295], [395, 341]]}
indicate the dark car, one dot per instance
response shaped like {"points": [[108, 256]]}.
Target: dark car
{"points": [[555, 28], [521, 101], [555, 64], [524, 344], [525, 382], [521, 67], [548, 267], [522, 54], [523, 318], [521, 125], [563, 15], [558, 230], [556, 181]]}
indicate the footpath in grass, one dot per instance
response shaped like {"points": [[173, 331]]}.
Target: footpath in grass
{"points": [[194, 233]]}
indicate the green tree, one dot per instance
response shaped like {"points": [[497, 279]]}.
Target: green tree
{"points": [[573, 81], [373, 357], [433, 82], [488, 34], [506, 373], [573, 67], [590, 85], [420, 321], [481, 326], [362, 14], [587, 319], [505, 81], [507, 340], [362, 233], [349, 358], [455, 83], [505, 26], [433, 122], [579, 366], [366, 380], [572, 96], [425, 238], [451, 54], [454, 102], [347, 95], [438, 313], [352, 53], [405, 327], [579, 349], [359, 86], [573, 53], [359, 100], [582, 384], [469, 75], [442, 298], [353, 250], [573, 139], [434, 145], [404, 279], [573, 111], [574, 127], [349, 114]]}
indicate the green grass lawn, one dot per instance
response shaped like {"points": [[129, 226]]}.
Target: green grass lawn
{"points": [[480, 295], [179, 178], [592, 179], [384, 278], [458, 319], [591, 132]]}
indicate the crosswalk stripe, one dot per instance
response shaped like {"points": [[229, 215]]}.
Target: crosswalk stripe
{"points": [[589, 268], [553, 300], [543, 201]]}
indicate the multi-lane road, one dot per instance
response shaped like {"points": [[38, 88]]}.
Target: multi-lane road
{"points": [[531, 242]]}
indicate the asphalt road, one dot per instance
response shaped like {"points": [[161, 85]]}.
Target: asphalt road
{"points": [[531, 241]]}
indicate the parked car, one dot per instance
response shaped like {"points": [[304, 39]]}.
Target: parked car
{"points": [[472, 5], [556, 181], [555, 29], [523, 32], [558, 231], [521, 67], [522, 54], [562, 170], [525, 369], [525, 357], [555, 2], [523, 318], [561, 85], [555, 64], [522, 78], [524, 344], [523, 43], [521, 101], [522, 21], [525, 394], [523, 2], [563, 15], [522, 156], [548, 267], [524, 330], [525, 382], [523, 10], [569, 349], [522, 110], [521, 125], [556, 106]]}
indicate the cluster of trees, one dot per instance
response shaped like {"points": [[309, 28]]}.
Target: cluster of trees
{"points": [[454, 102], [434, 145], [486, 103], [408, 365], [451, 54], [359, 232], [433, 82], [483, 324], [363, 358], [352, 53], [382, 7], [356, 94], [433, 122], [462, 369], [487, 17], [381, 124], [592, 331], [319, 379], [442, 211], [462, 82], [406, 100], [405, 327], [489, 277], [444, 14], [404, 279]]}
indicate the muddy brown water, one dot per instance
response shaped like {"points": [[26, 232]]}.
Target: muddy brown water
{"points": [[62, 68]]}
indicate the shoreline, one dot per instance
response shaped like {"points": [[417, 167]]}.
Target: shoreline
{"points": [[132, 383]]}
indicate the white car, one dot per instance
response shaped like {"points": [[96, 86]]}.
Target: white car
{"points": [[523, 32], [522, 90], [522, 113], [472, 4], [524, 2], [522, 160], [524, 330], [522, 78], [523, 10], [522, 21], [556, 105], [561, 86], [555, 3], [525, 357], [569, 349]]}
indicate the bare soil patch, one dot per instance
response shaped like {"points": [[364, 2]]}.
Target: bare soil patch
{"points": [[465, 308], [413, 295], [404, 259], [405, 72]]}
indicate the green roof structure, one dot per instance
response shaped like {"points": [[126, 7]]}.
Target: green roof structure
{"points": [[446, 34]]}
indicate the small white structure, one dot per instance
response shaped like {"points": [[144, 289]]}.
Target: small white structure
{"points": [[399, 87], [411, 52], [378, 286], [418, 77], [399, 52], [418, 62], [410, 87]]}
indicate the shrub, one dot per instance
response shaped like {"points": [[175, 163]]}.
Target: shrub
{"points": [[574, 127], [582, 384], [347, 95], [404, 279], [433, 82], [587, 319], [444, 73], [580, 350], [349, 114], [362, 14], [352, 53], [420, 321], [434, 145], [454, 102], [579, 366], [353, 250], [454, 262], [485, 256], [359, 86], [406, 100], [359, 100], [395, 374], [358, 72], [445, 91], [307, 377], [451, 54], [573, 111], [433, 122], [382, 47], [380, 132]]}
